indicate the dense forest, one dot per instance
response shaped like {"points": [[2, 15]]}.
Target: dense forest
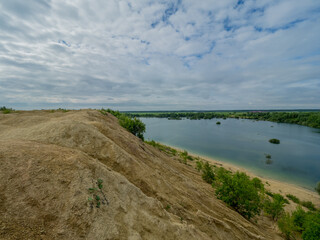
{"points": [[310, 119]]}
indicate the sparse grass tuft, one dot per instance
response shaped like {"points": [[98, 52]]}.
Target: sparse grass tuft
{"points": [[97, 195]]}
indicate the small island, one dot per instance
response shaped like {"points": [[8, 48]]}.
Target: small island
{"points": [[274, 141], [218, 123]]}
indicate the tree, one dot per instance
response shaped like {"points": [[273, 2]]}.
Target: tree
{"points": [[239, 192], [133, 125]]}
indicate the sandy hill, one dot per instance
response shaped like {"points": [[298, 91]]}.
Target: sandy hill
{"points": [[50, 165]]}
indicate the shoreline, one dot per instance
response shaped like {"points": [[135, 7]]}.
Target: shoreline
{"points": [[272, 185]]}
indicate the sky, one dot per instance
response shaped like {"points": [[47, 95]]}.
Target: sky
{"points": [[160, 55]]}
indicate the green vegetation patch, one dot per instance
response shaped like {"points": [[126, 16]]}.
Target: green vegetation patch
{"points": [[274, 141], [311, 226], [5, 110], [163, 148], [286, 226], [269, 193], [97, 196], [275, 207], [293, 198], [183, 156], [300, 222], [199, 165], [309, 205], [207, 173], [239, 192], [133, 125]]}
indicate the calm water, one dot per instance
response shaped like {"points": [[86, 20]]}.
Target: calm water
{"points": [[244, 143]]}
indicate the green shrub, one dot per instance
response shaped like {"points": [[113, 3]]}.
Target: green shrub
{"points": [[239, 192], [293, 198], [207, 173], [152, 143], [281, 198], [218, 123], [299, 218], [286, 226], [269, 193], [173, 151], [184, 155], [5, 110], [190, 158], [257, 183], [308, 205], [274, 141], [163, 148], [307, 223], [199, 165], [312, 227], [274, 208], [133, 125], [222, 174], [63, 110]]}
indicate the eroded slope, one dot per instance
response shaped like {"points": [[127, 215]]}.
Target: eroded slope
{"points": [[150, 194]]}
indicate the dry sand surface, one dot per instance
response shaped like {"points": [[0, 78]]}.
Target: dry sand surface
{"points": [[49, 160]]}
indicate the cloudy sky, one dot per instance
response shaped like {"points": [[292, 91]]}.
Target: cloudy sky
{"points": [[152, 55]]}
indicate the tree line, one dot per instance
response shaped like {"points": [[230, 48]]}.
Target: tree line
{"points": [[310, 119]]}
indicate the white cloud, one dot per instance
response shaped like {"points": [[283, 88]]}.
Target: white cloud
{"points": [[164, 55]]}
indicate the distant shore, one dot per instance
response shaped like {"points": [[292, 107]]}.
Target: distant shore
{"points": [[272, 185]]}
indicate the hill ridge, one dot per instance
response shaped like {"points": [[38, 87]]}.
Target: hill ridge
{"points": [[139, 181]]}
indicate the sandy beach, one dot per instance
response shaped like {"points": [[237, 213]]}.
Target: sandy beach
{"points": [[271, 185]]}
